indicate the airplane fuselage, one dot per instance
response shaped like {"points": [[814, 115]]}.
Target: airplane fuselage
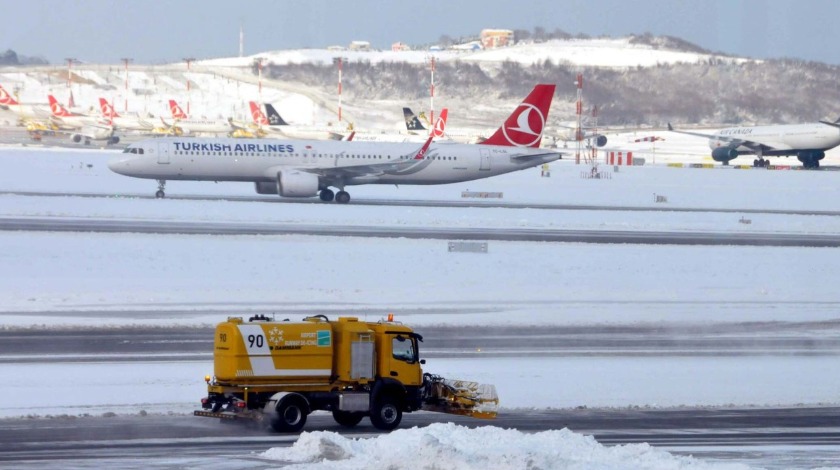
{"points": [[336, 162], [131, 123], [209, 126], [786, 139]]}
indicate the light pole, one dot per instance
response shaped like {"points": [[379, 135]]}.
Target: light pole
{"points": [[126, 60], [188, 60], [339, 62], [432, 95], [70, 61], [260, 61]]}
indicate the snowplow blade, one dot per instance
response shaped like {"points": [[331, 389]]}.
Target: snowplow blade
{"points": [[460, 397]]}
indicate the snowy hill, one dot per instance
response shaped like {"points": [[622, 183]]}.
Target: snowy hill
{"points": [[606, 52], [634, 81]]}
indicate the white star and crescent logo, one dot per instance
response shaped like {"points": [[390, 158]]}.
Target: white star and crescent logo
{"points": [[440, 127], [56, 108], [528, 128], [257, 116]]}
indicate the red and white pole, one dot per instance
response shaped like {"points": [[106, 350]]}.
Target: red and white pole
{"points": [[432, 95]]}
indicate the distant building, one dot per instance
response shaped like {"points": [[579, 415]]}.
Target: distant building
{"points": [[468, 46], [491, 38], [336, 48], [359, 46], [399, 47]]}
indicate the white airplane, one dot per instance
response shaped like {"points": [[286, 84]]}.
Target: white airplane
{"points": [[181, 121], [808, 142], [128, 123], [569, 132], [306, 168], [25, 111], [438, 131], [81, 127], [273, 125]]}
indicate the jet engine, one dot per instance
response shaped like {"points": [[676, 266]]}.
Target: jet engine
{"points": [[600, 140], [265, 188], [724, 154], [295, 183], [76, 138]]}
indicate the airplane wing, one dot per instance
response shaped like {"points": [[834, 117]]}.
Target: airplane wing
{"points": [[533, 157], [833, 124]]}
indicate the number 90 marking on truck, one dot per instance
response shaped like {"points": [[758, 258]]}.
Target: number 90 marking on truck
{"points": [[255, 340]]}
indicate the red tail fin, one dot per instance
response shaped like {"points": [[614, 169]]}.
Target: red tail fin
{"points": [[524, 128], [440, 125], [57, 109], [108, 111], [258, 115], [177, 112], [6, 98]]}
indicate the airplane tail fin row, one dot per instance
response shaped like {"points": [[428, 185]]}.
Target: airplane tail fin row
{"points": [[257, 115], [440, 124], [412, 122], [6, 98], [524, 128], [57, 109], [274, 118], [108, 111], [177, 112]]}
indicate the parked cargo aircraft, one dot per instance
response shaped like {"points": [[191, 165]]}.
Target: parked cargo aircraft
{"points": [[306, 168], [190, 125], [808, 142], [81, 127]]}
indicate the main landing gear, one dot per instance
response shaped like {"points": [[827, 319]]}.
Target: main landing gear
{"points": [[760, 162], [161, 186], [341, 197]]}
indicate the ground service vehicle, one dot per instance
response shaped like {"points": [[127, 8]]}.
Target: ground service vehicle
{"points": [[280, 371]]}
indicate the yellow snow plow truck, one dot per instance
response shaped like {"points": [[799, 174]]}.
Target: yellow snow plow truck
{"points": [[280, 371]]}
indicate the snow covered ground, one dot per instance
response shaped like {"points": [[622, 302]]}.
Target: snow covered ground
{"points": [[50, 280]]}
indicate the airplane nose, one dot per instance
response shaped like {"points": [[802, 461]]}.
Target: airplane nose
{"points": [[118, 165]]}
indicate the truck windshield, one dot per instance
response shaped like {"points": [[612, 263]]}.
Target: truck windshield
{"points": [[403, 349]]}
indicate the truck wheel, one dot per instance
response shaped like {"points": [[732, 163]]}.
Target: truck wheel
{"points": [[347, 418], [290, 417], [385, 414]]}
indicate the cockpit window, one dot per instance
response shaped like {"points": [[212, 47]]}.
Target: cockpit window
{"points": [[133, 150]]}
